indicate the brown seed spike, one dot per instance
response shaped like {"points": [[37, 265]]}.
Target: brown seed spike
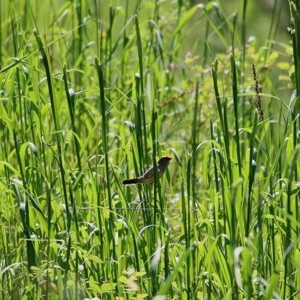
{"points": [[256, 87]]}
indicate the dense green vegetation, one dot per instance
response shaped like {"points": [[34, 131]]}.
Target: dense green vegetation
{"points": [[94, 92]]}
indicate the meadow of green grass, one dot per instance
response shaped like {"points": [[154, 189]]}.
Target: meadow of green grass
{"points": [[94, 92]]}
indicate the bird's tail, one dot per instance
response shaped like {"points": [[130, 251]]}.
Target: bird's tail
{"points": [[131, 181]]}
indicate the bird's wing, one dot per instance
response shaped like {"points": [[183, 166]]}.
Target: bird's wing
{"points": [[149, 173]]}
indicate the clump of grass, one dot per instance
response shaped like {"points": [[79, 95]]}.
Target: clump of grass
{"points": [[94, 94]]}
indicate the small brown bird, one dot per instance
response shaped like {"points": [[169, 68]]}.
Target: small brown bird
{"points": [[148, 176]]}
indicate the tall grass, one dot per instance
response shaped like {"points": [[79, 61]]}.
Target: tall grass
{"points": [[92, 94]]}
